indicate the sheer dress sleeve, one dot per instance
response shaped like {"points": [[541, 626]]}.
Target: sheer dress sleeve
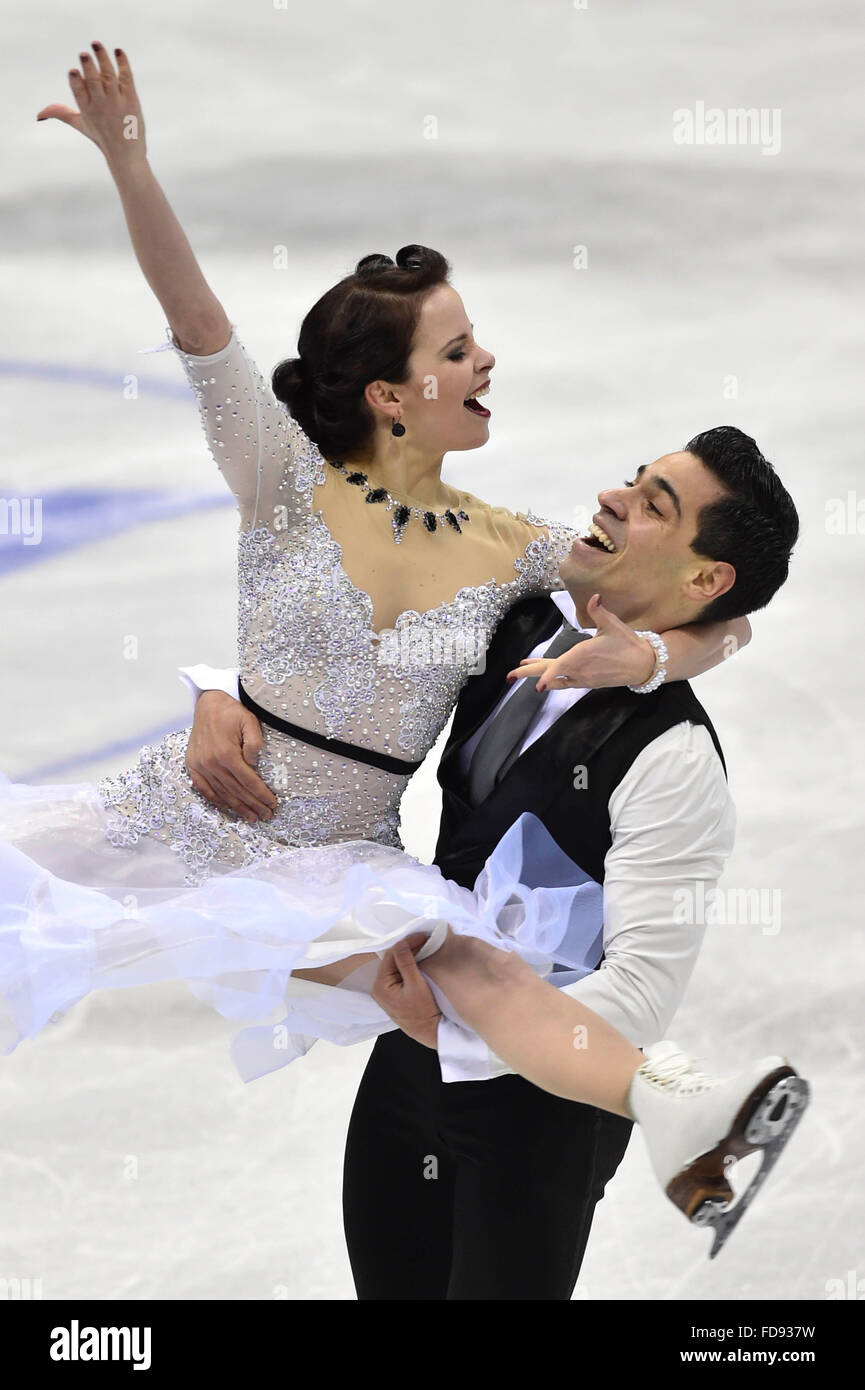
{"points": [[540, 566], [262, 453]]}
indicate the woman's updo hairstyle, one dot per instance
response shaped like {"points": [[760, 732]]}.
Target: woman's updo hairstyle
{"points": [[362, 330]]}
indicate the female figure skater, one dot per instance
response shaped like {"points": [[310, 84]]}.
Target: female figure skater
{"points": [[358, 567]]}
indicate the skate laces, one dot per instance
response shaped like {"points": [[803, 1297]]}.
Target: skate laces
{"points": [[679, 1072]]}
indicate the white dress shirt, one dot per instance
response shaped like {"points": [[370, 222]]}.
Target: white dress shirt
{"points": [[672, 825]]}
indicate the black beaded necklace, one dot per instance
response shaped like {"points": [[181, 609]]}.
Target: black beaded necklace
{"points": [[402, 512]]}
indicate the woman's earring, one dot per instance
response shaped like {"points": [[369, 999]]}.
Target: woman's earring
{"points": [[397, 429]]}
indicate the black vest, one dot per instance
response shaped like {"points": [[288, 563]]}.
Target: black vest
{"points": [[595, 742]]}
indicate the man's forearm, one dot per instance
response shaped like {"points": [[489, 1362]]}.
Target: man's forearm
{"points": [[637, 994]]}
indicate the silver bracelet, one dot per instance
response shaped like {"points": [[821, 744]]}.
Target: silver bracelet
{"points": [[659, 674]]}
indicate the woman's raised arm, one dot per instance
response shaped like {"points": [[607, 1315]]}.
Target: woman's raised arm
{"points": [[109, 113]]}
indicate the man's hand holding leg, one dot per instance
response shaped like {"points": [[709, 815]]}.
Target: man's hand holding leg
{"points": [[404, 994], [462, 965]]}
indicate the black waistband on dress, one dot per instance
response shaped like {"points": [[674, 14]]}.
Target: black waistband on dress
{"points": [[330, 745]]}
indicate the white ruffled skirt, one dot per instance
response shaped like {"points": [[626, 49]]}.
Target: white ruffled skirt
{"points": [[78, 914]]}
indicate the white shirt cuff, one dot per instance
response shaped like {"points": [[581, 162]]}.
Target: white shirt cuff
{"points": [[464, 1056], [199, 678]]}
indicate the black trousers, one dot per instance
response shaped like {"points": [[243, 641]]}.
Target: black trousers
{"points": [[469, 1189]]}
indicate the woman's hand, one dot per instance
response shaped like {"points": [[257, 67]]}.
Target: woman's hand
{"points": [[109, 112], [614, 656]]}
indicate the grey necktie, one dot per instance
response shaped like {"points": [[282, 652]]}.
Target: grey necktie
{"points": [[503, 736]]}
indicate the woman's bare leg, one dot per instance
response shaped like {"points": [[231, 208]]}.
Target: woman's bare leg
{"points": [[544, 1035], [335, 972]]}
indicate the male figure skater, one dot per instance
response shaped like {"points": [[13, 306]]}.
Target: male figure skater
{"points": [[486, 1189]]}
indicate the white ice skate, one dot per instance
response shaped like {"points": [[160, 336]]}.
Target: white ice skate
{"points": [[696, 1124]]}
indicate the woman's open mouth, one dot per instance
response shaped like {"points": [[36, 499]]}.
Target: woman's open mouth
{"points": [[473, 404]]}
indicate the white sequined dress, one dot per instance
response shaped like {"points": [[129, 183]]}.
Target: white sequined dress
{"points": [[138, 878]]}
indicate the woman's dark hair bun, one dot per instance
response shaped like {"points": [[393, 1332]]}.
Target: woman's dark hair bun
{"points": [[361, 330], [291, 384], [412, 259], [371, 265], [417, 258]]}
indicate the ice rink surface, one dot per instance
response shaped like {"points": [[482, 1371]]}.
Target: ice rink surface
{"points": [[717, 285]]}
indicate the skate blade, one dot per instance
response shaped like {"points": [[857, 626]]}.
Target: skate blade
{"points": [[764, 1124]]}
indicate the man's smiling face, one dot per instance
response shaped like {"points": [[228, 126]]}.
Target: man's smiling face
{"points": [[637, 554]]}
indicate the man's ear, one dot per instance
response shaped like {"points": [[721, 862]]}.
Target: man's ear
{"points": [[714, 578]]}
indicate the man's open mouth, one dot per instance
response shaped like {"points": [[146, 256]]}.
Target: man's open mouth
{"points": [[598, 539], [473, 404]]}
